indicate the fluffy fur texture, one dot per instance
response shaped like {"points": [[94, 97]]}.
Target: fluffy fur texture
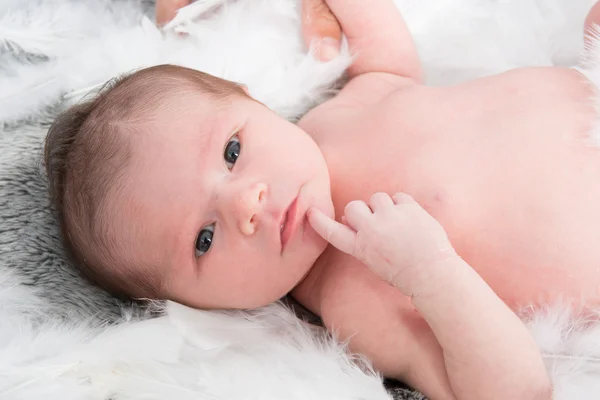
{"points": [[62, 338]]}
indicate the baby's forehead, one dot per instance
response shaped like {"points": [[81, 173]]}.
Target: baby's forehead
{"points": [[184, 126], [162, 90], [175, 107], [190, 103]]}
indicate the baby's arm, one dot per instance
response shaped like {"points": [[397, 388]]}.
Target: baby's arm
{"points": [[487, 351], [378, 34]]}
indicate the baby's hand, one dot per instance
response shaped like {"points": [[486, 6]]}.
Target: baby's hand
{"points": [[394, 237]]}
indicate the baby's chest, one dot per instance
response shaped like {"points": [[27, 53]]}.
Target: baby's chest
{"points": [[373, 158]]}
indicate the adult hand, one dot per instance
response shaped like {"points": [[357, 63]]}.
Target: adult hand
{"points": [[318, 24]]}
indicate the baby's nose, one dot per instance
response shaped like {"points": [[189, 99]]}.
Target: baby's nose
{"points": [[248, 206]]}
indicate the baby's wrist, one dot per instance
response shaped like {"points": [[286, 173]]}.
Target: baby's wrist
{"points": [[429, 275]]}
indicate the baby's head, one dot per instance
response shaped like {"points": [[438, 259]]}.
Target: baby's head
{"points": [[172, 183]]}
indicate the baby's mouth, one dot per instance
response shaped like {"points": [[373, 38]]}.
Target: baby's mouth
{"points": [[287, 226], [283, 222]]}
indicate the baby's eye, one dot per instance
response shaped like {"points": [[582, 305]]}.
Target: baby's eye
{"points": [[232, 151], [204, 240]]}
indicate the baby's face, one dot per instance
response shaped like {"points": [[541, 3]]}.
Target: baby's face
{"points": [[221, 195]]}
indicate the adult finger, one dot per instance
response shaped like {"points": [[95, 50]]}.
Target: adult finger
{"points": [[166, 10], [340, 236], [321, 26]]}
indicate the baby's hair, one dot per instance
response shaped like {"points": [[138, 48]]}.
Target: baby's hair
{"points": [[87, 153]]}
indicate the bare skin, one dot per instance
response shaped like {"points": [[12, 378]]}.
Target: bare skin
{"points": [[530, 238], [405, 246], [500, 162], [513, 201]]}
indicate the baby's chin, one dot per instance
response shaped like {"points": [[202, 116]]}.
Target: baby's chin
{"points": [[314, 245]]}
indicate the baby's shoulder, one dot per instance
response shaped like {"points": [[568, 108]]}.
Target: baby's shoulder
{"points": [[370, 88], [359, 95]]}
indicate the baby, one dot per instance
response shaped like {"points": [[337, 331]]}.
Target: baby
{"points": [[442, 209]]}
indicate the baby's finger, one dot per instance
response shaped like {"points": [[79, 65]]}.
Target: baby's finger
{"points": [[340, 236], [357, 213], [380, 201], [402, 198]]}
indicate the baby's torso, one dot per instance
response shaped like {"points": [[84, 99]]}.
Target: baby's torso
{"points": [[502, 163]]}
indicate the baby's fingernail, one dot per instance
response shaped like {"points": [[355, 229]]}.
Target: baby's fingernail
{"points": [[329, 49]]}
